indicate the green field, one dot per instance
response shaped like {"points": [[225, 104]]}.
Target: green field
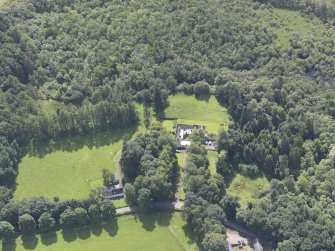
{"points": [[70, 171], [284, 23], [161, 231], [212, 157], [70, 167], [189, 110], [247, 189]]}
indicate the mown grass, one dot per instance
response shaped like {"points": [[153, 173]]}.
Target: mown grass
{"points": [[248, 189], [181, 158], [189, 110], [285, 23], [70, 167], [160, 231], [65, 172], [212, 157]]}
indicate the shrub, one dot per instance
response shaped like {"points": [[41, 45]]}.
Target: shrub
{"points": [[249, 170]]}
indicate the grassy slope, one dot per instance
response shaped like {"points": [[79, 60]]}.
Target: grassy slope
{"points": [[247, 189], [284, 23], [189, 110], [154, 232], [66, 174], [70, 168]]}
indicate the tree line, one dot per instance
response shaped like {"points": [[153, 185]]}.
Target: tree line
{"points": [[325, 10], [42, 215]]}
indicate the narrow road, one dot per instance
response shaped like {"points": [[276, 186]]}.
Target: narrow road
{"points": [[170, 204]]}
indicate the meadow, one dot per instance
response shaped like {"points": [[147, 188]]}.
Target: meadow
{"points": [[70, 167], [248, 189], [67, 173], [212, 157], [285, 23], [188, 110], [160, 231]]}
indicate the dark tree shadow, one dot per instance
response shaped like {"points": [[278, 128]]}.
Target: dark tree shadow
{"points": [[96, 229], [192, 236], [111, 228], [148, 221], [29, 242], [74, 143], [164, 218], [8, 245], [49, 238], [84, 233], [69, 235], [228, 178]]}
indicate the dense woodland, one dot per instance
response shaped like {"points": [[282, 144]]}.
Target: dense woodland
{"points": [[98, 57], [150, 167]]}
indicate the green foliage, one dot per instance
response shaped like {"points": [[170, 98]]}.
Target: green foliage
{"points": [[144, 200], [94, 213], [68, 218], [46, 222], [149, 161], [130, 194], [201, 88], [27, 224], [230, 205], [215, 242], [81, 216], [273, 82], [108, 177], [108, 212], [6, 230]]}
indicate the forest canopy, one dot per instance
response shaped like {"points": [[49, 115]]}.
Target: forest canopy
{"points": [[99, 57]]}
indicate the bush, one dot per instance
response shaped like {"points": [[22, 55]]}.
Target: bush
{"points": [[201, 88], [249, 170]]}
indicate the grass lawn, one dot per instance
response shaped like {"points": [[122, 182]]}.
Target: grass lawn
{"points": [[284, 23], [180, 157], [189, 110], [212, 157], [120, 203], [160, 231], [247, 189], [69, 167]]}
